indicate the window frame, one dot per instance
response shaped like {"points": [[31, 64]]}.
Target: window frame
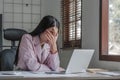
{"points": [[103, 44]]}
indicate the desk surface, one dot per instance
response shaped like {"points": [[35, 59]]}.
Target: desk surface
{"points": [[42, 76]]}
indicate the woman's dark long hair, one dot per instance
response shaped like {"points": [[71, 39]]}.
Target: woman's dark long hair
{"points": [[47, 22]]}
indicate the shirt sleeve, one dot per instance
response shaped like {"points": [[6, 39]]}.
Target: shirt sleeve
{"points": [[29, 57], [53, 61]]}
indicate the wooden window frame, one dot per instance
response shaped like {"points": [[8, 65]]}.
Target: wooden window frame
{"points": [[103, 55]]}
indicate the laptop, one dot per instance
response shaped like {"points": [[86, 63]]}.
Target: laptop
{"points": [[79, 61]]}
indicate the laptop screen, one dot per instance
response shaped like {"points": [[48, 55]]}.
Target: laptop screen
{"points": [[80, 60]]}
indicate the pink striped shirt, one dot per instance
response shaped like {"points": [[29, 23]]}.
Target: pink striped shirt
{"points": [[34, 58]]}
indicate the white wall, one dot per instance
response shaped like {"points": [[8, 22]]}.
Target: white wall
{"points": [[51, 7], [27, 19], [1, 6], [90, 33]]}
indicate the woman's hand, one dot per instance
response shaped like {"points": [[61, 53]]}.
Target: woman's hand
{"points": [[52, 39]]}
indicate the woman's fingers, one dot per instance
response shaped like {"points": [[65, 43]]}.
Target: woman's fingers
{"points": [[49, 32], [50, 35], [49, 39]]}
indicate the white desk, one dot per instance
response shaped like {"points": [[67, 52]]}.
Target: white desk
{"points": [[80, 76]]}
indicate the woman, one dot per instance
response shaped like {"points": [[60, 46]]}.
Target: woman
{"points": [[38, 50]]}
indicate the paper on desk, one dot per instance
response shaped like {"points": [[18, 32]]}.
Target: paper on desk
{"points": [[64, 75], [10, 72], [109, 73], [44, 75]]}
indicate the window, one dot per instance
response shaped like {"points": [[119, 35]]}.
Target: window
{"points": [[110, 30], [71, 20]]}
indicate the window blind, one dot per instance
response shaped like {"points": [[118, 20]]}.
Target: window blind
{"points": [[71, 19]]}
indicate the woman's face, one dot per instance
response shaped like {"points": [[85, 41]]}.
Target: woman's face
{"points": [[52, 31]]}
